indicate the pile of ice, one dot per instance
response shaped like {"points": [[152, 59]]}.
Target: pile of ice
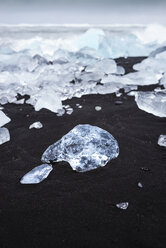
{"points": [[51, 70], [85, 148]]}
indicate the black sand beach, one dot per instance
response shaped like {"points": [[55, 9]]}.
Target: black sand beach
{"points": [[79, 210]]}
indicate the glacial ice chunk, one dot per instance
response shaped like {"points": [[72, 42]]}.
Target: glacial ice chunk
{"points": [[91, 39], [162, 140], [37, 174], [4, 135], [36, 124], [122, 205], [85, 148], [152, 102], [3, 119], [157, 51], [105, 65], [49, 101]]}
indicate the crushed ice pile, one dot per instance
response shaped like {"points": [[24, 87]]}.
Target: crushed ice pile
{"points": [[52, 64], [85, 148]]}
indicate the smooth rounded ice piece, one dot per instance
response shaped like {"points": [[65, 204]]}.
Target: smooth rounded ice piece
{"points": [[122, 205], [37, 174], [36, 125], [162, 140], [85, 148]]}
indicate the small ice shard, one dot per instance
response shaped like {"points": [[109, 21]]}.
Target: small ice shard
{"points": [[78, 105], [130, 88], [3, 119], [37, 174], [60, 112], [4, 135], [118, 102], [162, 140], [145, 169], [36, 124], [98, 108], [85, 148], [122, 205], [140, 185], [152, 102], [120, 70], [69, 111], [118, 94]]}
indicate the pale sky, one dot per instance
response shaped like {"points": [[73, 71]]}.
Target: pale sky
{"points": [[82, 11]]}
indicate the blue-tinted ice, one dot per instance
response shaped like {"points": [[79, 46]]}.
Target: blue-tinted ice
{"points": [[85, 148], [37, 174]]}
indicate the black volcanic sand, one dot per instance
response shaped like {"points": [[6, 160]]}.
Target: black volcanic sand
{"points": [[71, 209]]}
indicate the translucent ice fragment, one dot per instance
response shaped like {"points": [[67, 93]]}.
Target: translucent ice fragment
{"points": [[97, 108], [157, 51], [69, 111], [36, 175], [78, 105], [140, 185], [105, 65], [120, 70], [3, 119], [60, 112], [91, 38], [21, 101], [4, 135], [163, 81], [162, 140], [37, 125], [118, 102], [85, 148], [154, 66], [152, 102], [49, 101], [118, 94], [122, 205]]}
